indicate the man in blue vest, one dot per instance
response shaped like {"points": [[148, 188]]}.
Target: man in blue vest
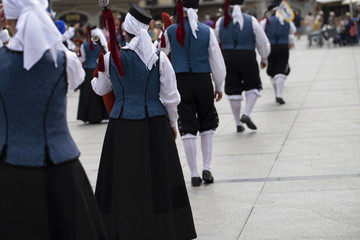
{"points": [[280, 34], [239, 35], [197, 60]]}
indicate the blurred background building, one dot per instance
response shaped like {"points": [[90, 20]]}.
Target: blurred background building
{"points": [[88, 10]]}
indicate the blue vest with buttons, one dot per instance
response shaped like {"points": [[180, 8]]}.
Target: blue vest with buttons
{"points": [[137, 92], [277, 33], [232, 38], [33, 124], [91, 56], [194, 55]]}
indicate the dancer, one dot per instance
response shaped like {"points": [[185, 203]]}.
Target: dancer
{"points": [[280, 34], [140, 187], [44, 191], [195, 55], [239, 35]]}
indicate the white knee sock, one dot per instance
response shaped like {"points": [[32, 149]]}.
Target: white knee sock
{"points": [[251, 98], [280, 81], [273, 83], [189, 142], [207, 142], [235, 107]]}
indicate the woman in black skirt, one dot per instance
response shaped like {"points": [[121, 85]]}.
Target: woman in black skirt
{"points": [[44, 191], [140, 188], [91, 106]]}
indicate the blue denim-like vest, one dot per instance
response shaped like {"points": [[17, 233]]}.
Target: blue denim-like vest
{"points": [[137, 92], [232, 38], [194, 55], [277, 33], [33, 123], [91, 56]]}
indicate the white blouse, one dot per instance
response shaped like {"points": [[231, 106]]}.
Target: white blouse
{"points": [[75, 72], [169, 94]]}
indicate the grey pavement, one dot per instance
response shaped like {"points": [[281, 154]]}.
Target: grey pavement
{"points": [[297, 176]]}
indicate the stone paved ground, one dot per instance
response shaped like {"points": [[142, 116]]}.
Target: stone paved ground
{"points": [[297, 176]]}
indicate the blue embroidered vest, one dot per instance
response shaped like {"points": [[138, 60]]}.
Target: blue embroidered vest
{"points": [[33, 122], [91, 56], [194, 55], [277, 33], [232, 38], [137, 92]]}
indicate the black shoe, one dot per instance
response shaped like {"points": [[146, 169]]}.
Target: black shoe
{"points": [[245, 119], [240, 128], [207, 176], [280, 100], [196, 181]]}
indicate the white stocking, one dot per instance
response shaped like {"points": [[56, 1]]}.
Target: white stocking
{"points": [[207, 142], [189, 142]]}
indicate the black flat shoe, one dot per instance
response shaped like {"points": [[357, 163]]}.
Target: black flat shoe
{"points": [[240, 128], [245, 119], [196, 181], [280, 101], [207, 176]]}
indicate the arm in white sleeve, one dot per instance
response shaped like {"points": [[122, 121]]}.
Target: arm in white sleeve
{"points": [[217, 29], [292, 32], [263, 23], [82, 56], [166, 49], [217, 63], [70, 32], [102, 85], [168, 89], [262, 42], [74, 70]]}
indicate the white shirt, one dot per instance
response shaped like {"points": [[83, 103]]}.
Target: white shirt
{"points": [[261, 41], [70, 32], [75, 72], [216, 60], [169, 94], [292, 30]]}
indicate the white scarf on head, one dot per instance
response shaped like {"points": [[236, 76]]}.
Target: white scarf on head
{"points": [[35, 30], [141, 43], [237, 15], [193, 19]]}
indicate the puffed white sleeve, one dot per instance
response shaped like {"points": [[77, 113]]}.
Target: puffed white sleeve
{"points": [[74, 70], [216, 61], [217, 29], [262, 42], [82, 56], [168, 89], [167, 48], [102, 85]]}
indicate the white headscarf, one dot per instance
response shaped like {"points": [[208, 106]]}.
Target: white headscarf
{"points": [[35, 29], [237, 15], [193, 19], [141, 43]]}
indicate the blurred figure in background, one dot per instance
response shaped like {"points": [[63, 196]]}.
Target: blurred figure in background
{"points": [[309, 22], [298, 24]]}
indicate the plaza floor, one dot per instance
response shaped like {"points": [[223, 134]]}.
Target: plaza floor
{"points": [[297, 176]]}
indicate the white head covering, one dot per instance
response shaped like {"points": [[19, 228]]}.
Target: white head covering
{"points": [[141, 43], [193, 19], [35, 29], [237, 15]]}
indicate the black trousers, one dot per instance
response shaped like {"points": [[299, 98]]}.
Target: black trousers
{"points": [[242, 71], [197, 112], [278, 60]]}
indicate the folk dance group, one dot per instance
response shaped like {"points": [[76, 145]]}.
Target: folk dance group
{"points": [[140, 191]]}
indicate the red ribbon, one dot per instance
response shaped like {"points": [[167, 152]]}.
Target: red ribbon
{"points": [[180, 31]]}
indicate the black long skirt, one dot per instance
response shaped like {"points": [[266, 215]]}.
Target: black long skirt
{"points": [[91, 106], [48, 203], [140, 187]]}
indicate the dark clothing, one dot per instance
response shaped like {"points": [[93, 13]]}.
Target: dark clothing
{"points": [[297, 21], [197, 112], [278, 60], [242, 71], [91, 106], [52, 202], [140, 188]]}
